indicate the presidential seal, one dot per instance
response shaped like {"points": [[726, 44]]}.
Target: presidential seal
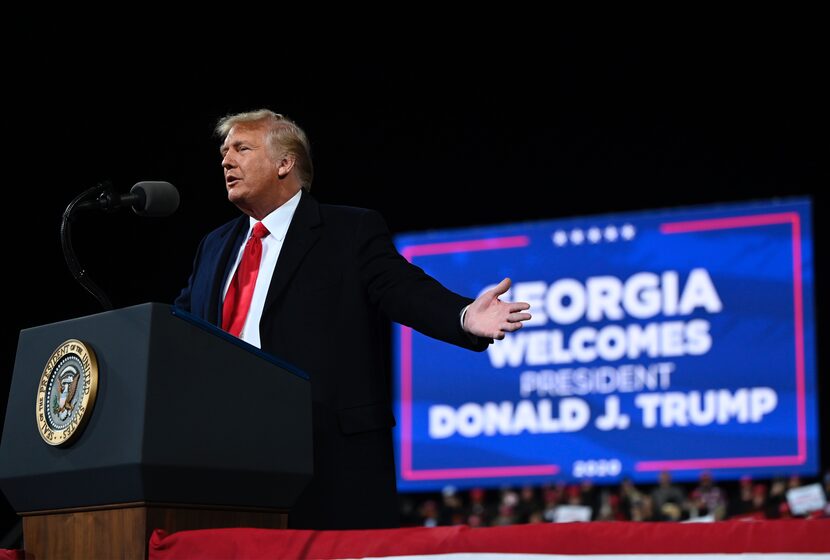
{"points": [[66, 392]]}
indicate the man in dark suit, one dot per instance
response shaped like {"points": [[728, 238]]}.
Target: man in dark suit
{"points": [[323, 280]]}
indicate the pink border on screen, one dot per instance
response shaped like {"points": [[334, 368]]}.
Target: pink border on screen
{"points": [[407, 472], [794, 220]]}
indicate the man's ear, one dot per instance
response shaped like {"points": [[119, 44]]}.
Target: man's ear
{"points": [[285, 165]]}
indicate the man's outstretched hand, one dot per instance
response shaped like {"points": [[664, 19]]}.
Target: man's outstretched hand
{"points": [[489, 317]]}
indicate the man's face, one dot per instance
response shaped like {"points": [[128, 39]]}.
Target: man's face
{"points": [[250, 170]]}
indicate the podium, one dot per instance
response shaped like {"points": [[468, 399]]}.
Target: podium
{"points": [[188, 428]]}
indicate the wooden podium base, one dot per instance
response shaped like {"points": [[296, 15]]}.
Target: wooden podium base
{"points": [[123, 530]]}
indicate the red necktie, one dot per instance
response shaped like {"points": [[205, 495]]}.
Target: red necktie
{"points": [[238, 299]]}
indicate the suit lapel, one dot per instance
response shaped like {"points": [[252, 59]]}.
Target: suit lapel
{"points": [[302, 234], [228, 251]]}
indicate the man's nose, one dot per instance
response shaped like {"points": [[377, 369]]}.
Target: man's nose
{"points": [[228, 162]]}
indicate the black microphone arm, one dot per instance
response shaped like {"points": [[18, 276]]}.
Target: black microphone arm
{"points": [[147, 198]]}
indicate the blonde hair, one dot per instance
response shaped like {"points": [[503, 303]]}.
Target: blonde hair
{"points": [[282, 133]]}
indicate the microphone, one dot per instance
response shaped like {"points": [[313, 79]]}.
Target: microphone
{"points": [[147, 198], [155, 199]]}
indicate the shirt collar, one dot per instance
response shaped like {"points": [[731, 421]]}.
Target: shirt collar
{"points": [[278, 221]]}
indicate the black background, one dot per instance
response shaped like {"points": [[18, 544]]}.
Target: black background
{"points": [[575, 124]]}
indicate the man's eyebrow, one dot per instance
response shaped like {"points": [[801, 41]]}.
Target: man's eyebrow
{"points": [[223, 149]]}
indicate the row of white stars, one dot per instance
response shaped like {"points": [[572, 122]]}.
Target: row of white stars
{"points": [[593, 235]]}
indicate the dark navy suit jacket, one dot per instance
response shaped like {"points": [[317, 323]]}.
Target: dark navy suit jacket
{"points": [[337, 280]]}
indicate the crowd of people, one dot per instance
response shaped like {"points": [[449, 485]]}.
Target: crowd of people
{"points": [[705, 500]]}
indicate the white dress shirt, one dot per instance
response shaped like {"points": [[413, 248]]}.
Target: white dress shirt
{"points": [[277, 223]]}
